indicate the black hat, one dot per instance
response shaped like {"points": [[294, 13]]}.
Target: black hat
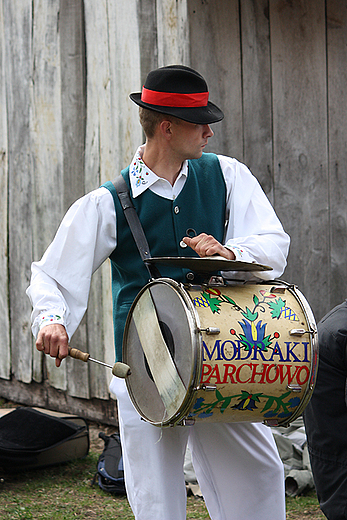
{"points": [[178, 91]]}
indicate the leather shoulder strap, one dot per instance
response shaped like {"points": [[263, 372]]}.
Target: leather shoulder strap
{"points": [[134, 224]]}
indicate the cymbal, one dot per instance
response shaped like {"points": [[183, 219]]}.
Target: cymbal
{"points": [[208, 263]]}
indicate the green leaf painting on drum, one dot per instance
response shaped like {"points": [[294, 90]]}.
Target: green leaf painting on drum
{"points": [[214, 298], [272, 407], [213, 303], [277, 307], [250, 315]]}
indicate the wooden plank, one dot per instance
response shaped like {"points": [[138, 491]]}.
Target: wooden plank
{"points": [[18, 31], [47, 397], [337, 138], [5, 358], [215, 52], [100, 157], [173, 32], [256, 91], [126, 129], [148, 36], [73, 98], [100, 147], [300, 142], [124, 50], [46, 148], [111, 141], [73, 102], [99, 376]]}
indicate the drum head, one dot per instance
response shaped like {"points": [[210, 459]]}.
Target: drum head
{"points": [[162, 346], [208, 264]]}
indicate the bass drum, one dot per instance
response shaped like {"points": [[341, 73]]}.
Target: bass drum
{"points": [[220, 352]]}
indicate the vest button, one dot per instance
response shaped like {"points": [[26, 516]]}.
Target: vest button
{"points": [[176, 209], [190, 276], [183, 244]]}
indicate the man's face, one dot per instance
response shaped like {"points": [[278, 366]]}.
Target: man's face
{"points": [[189, 139]]}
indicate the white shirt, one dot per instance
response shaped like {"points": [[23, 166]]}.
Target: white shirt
{"points": [[60, 281]]}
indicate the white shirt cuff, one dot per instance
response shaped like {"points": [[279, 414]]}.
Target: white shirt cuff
{"points": [[240, 254], [49, 319]]}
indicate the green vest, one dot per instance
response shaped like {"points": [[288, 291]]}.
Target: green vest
{"points": [[200, 206]]}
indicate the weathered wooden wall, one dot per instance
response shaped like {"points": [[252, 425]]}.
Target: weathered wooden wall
{"points": [[278, 70]]}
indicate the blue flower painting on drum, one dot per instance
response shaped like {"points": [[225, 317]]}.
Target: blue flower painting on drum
{"points": [[254, 332], [254, 335]]}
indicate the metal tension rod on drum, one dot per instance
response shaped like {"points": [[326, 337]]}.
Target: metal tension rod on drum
{"points": [[118, 369], [210, 331], [301, 332]]}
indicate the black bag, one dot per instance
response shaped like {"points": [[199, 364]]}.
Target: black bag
{"points": [[110, 473], [31, 438]]}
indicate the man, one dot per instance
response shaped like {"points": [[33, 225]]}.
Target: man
{"points": [[326, 416], [174, 187]]}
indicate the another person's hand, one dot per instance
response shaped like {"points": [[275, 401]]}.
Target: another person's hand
{"points": [[207, 245], [53, 340]]}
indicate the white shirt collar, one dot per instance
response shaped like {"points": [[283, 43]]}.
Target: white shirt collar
{"points": [[142, 178]]}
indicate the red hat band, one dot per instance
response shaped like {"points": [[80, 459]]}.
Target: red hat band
{"points": [[170, 99]]}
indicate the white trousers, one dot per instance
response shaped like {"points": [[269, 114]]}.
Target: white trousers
{"points": [[237, 466]]}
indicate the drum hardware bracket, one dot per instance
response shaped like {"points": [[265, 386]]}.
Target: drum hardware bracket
{"points": [[210, 331], [187, 422], [294, 388], [207, 388], [271, 422], [281, 289], [216, 280]]}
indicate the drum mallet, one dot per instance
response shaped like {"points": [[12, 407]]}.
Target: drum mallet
{"points": [[118, 369]]}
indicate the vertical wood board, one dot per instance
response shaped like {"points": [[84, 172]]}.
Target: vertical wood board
{"points": [[148, 37], [173, 32], [5, 357], [73, 99], [215, 53], [100, 158], [337, 143], [256, 91], [46, 146], [18, 45], [300, 137], [73, 104], [125, 73]]}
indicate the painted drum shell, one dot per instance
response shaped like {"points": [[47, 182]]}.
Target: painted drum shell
{"points": [[260, 367]]}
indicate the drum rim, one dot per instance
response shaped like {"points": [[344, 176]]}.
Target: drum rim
{"points": [[196, 345], [311, 322]]}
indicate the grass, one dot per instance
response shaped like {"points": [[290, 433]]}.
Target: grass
{"points": [[65, 493]]}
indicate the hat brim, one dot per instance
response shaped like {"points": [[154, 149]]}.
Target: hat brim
{"points": [[198, 115]]}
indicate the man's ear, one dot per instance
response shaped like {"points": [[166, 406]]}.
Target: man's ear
{"points": [[166, 128]]}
